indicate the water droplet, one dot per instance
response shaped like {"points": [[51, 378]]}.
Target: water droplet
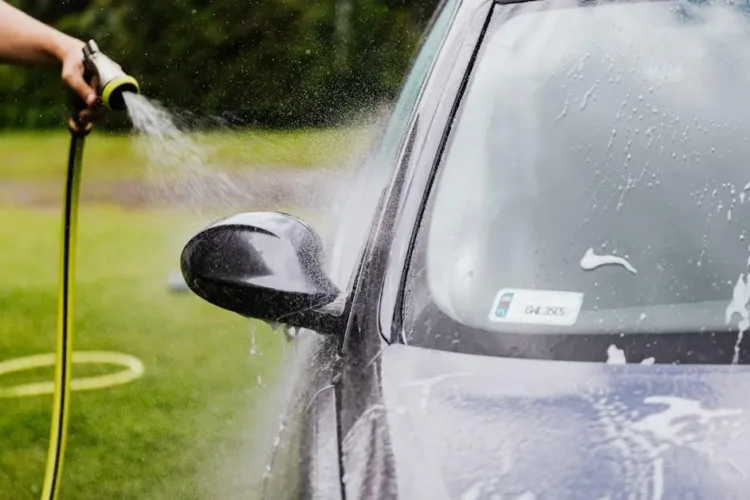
{"points": [[587, 96], [564, 110], [253, 346]]}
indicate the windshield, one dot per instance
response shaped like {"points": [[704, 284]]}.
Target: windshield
{"points": [[594, 186]]}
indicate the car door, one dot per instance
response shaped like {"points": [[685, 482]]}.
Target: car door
{"points": [[305, 457]]}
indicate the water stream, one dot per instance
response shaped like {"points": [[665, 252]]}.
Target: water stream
{"points": [[181, 174], [179, 167]]}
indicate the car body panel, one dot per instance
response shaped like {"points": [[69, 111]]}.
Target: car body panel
{"points": [[303, 461], [468, 426]]}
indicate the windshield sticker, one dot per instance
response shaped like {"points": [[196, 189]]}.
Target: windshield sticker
{"points": [[536, 307]]}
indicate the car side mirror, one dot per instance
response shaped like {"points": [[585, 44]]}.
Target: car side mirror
{"points": [[263, 265]]}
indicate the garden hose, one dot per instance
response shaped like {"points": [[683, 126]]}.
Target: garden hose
{"points": [[61, 406], [111, 84]]}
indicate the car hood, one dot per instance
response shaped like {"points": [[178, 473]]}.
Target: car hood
{"points": [[452, 425]]}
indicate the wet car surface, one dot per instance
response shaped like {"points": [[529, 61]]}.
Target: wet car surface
{"points": [[575, 196]]}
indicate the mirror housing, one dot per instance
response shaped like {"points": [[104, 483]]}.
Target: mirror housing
{"points": [[263, 265]]}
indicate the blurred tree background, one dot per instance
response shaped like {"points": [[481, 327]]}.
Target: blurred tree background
{"points": [[269, 63]]}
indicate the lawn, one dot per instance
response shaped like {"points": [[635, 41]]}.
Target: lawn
{"points": [[164, 435], [35, 156], [178, 431]]}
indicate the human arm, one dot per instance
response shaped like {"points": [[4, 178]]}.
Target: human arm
{"points": [[28, 42]]}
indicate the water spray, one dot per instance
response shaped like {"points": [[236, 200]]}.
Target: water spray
{"points": [[110, 83]]}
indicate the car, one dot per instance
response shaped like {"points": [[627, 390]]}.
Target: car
{"points": [[539, 284]]}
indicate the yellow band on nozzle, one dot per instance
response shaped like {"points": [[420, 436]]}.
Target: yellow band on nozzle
{"points": [[116, 83]]}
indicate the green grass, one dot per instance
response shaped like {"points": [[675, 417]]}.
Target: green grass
{"points": [[42, 155], [161, 436]]}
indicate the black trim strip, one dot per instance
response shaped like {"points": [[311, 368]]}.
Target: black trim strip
{"points": [[397, 332], [338, 397]]}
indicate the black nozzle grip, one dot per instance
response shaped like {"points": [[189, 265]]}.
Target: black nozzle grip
{"points": [[77, 104]]}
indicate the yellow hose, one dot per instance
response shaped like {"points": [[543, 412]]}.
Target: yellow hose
{"points": [[61, 407]]}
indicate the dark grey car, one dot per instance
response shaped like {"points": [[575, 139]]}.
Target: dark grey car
{"points": [[543, 291]]}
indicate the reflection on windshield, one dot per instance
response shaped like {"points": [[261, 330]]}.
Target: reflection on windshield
{"points": [[599, 151]]}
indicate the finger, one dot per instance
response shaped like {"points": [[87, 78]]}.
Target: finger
{"points": [[84, 116], [91, 115], [75, 81]]}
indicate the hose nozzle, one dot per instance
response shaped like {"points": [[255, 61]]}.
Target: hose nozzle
{"points": [[113, 82]]}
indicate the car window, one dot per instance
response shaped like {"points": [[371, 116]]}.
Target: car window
{"points": [[396, 130], [595, 179], [364, 190]]}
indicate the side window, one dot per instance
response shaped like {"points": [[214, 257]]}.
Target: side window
{"points": [[395, 131], [357, 205]]}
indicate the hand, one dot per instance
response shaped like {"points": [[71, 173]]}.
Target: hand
{"points": [[72, 75]]}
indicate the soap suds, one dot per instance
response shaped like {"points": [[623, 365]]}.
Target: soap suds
{"points": [[646, 443], [591, 261], [738, 305], [670, 425], [473, 492], [615, 356]]}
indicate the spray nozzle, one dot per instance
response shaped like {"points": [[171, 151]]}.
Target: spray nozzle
{"points": [[113, 82]]}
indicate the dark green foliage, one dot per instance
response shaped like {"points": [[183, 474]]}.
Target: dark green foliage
{"points": [[280, 63]]}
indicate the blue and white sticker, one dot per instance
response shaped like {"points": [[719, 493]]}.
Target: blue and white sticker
{"points": [[536, 307]]}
